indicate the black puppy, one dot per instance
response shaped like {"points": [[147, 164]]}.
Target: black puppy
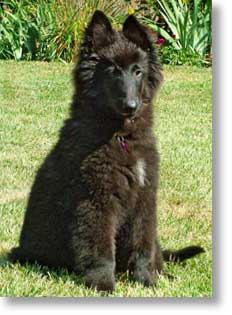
{"points": [[93, 203]]}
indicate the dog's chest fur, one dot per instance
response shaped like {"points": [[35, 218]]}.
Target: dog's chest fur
{"points": [[113, 175], [140, 171]]}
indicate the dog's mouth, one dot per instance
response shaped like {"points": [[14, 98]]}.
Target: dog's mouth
{"points": [[125, 115], [128, 116], [127, 112]]}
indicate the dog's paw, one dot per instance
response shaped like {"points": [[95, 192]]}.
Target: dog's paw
{"points": [[101, 278], [144, 277], [141, 270]]}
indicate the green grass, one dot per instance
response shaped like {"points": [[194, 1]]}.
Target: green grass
{"points": [[34, 100]]}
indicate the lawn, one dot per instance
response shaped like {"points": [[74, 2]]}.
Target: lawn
{"points": [[34, 100]]}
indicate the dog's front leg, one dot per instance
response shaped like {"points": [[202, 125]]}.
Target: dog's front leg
{"points": [[146, 259], [93, 238]]}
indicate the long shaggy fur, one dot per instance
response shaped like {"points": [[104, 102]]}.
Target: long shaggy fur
{"points": [[92, 207]]}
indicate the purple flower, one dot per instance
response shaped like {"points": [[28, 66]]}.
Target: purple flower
{"points": [[160, 41]]}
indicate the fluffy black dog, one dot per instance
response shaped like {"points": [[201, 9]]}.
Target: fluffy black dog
{"points": [[92, 207]]}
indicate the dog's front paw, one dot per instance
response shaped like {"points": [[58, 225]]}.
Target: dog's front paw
{"points": [[101, 277], [142, 270], [145, 277]]}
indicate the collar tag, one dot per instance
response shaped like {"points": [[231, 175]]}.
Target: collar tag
{"points": [[123, 143]]}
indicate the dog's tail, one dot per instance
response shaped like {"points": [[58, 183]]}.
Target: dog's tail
{"points": [[182, 254]]}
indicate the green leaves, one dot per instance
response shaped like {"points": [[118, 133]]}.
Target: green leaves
{"points": [[48, 30], [189, 21]]}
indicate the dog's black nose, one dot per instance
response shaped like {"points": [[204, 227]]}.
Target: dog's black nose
{"points": [[130, 106]]}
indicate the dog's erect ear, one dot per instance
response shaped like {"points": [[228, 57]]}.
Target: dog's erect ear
{"points": [[100, 30], [137, 33]]}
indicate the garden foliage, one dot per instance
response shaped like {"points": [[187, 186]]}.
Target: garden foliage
{"points": [[51, 30]]}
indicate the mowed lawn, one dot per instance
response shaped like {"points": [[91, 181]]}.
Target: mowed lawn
{"points": [[34, 100]]}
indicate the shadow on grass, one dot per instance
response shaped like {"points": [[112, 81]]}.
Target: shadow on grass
{"points": [[4, 261], [50, 273], [43, 271]]}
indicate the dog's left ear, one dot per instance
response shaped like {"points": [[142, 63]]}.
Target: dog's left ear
{"points": [[137, 33], [100, 30]]}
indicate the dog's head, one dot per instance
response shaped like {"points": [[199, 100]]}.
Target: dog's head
{"points": [[119, 68]]}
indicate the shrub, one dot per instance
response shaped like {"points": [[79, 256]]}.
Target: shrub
{"points": [[170, 55], [48, 30], [52, 29], [188, 26]]}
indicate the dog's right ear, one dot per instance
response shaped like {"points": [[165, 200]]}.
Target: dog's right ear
{"points": [[99, 30], [137, 33]]}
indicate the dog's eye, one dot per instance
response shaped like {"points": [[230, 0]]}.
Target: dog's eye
{"points": [[138, 73]]}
